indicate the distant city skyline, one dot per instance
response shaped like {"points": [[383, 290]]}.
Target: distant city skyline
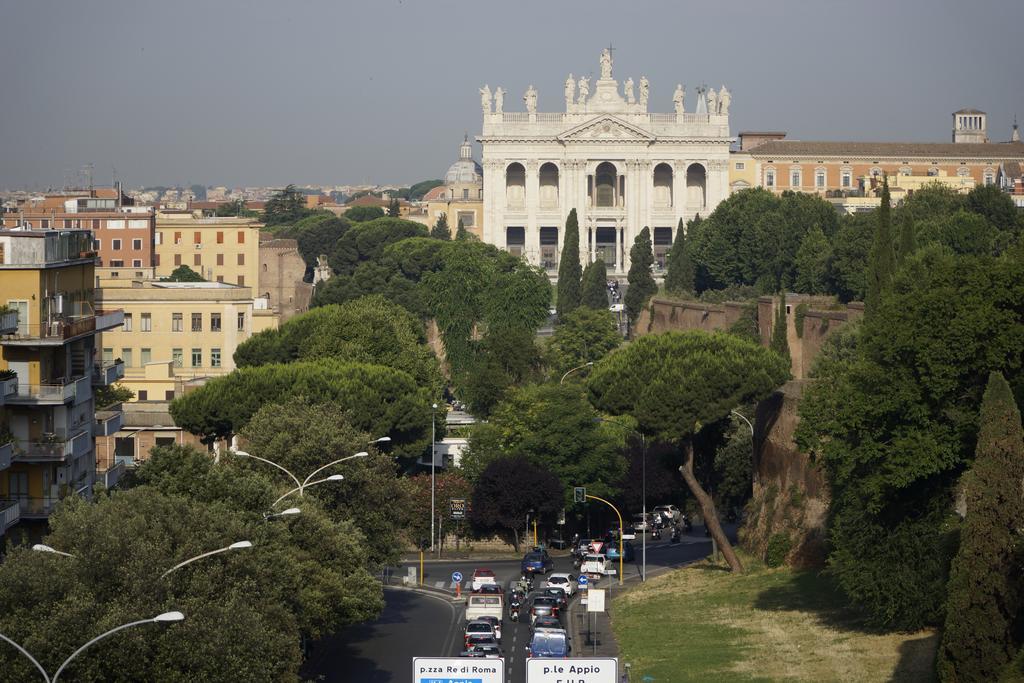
{"points": [[254, 93]]}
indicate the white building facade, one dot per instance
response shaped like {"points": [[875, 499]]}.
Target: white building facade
{"points": [[620, 166]]}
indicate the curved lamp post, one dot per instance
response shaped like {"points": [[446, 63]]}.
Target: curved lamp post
{"points": [[39, 547], [643, 494], [166, 617], [239, 545], [283, 513], [303, 487], [580, 367]]}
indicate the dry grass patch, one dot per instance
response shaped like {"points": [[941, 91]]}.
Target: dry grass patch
{"points": [[703, 623]]}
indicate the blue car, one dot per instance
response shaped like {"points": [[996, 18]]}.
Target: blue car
{"points": [[536, 562], [612, 553]]}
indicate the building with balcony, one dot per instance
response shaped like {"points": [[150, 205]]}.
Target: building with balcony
{"points": [[123, 232], [50, 367], [621, 167], [178, 330], [219, 249]]}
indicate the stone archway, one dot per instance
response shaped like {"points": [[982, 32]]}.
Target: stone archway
{"points": [[696, 187]]}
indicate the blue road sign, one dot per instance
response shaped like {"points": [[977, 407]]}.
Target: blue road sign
{"points": [[457, 577], [582, 580]]}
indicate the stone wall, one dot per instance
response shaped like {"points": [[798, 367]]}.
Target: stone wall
{"points": [[663, 315], [282, 269], [791, 495]]}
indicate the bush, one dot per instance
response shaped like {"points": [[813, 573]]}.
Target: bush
{"points": [[779, 546]]}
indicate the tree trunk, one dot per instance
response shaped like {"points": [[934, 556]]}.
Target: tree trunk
{"points": [[707, 508]]}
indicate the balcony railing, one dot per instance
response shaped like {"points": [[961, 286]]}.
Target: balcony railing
{"points": [[106, 320], [37, 507], [54, 448], [66, 327], [109, 421], [6, 454], [10, 513], [8, 322], [106, 373], [51, 392], [113, 474]]}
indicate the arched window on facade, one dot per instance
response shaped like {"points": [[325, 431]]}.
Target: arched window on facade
{"points": [[549, 186], [606, 185], [663, 186], [696, 186], [515, 185]]}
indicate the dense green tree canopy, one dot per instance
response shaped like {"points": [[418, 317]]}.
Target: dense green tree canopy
{"points": [[417, 190], [812, 263], [315, 234], [570, 272], [847, 264], [285, 207], [554, 426], [367, 330], [585, 335], [594, 287], [441, 231], [184, 274], [361, 214], [681, 275], [302, 437], [500, 508], [641, 282], [985, 600], [378, 400], [367, 241], [894, 423]]}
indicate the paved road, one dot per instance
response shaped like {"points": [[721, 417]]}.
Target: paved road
{"points": [[411, 625], [414, 624]]}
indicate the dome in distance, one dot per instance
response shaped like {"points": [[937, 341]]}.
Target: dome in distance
{"points": [[464, 171]]}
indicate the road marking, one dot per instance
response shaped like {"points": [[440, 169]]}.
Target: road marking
{"points": [[439, 584]]}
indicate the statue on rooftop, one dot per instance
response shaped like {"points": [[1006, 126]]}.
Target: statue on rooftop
{"points": [[644, 91], [630, 99], [570, 91], [531, 99], [499, 100], [677, 98], [485, 99], [724, 100], [606, 63], [584, 90], [712, 101]]}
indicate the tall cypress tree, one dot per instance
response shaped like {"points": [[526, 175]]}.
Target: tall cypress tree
{"points": [[393, 209], [681, 273], [595, 286], [441, 231], [882, 260], [984, 593], [908, 234], [641, 283], [461, 233], [780, 341], [569, 269]]}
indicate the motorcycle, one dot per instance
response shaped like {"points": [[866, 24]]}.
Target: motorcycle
{"points": [[675, 535], [513, 611]]}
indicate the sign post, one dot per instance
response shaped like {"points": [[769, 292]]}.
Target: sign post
{"points": [[458, 506], [591, 670], [458, 670], [457, 580]]}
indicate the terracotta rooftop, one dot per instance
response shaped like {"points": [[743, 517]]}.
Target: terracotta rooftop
{"points": [[435, 193], [902, 150]]}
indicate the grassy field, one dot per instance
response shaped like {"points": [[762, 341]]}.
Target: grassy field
{"points": [[705, 624]]}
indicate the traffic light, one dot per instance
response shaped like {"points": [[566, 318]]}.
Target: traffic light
{"points": [[579, 494]]}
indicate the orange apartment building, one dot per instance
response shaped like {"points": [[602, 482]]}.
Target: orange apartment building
{"points": [[123, 233], [826, 167]]}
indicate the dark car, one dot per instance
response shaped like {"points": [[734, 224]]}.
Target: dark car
{"points": [[488, 651], [492, 588], [544, 606], [547, 622], [558, 594], [627, 552], [537, 562], [475, 639]]}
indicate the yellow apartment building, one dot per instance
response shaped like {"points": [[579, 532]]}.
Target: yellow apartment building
{"points": [[175, 331], [48, 367], [219, 249]]}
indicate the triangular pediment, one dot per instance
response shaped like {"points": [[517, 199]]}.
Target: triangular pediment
{"points": [[607, 127]]}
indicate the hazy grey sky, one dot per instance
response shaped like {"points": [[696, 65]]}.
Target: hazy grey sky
{"points": [[250, 92]]}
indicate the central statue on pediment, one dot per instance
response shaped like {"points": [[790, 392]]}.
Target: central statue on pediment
{"points": [[606, 63]]}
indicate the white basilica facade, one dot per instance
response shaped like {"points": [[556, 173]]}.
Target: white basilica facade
{"points": [[620, 166]]}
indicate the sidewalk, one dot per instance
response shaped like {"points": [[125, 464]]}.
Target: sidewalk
{"points": [[591, 632]]}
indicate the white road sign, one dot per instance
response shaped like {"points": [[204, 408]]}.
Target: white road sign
{"points": [[458, 670], [595, 600], [597, 670]]}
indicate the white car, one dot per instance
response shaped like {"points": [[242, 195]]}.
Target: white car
{"points": [[670, 513], [481, 577], [567, 582]]}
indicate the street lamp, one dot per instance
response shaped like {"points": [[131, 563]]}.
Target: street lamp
{"points": [[166, 617], [239, 545], [585, 365], [643, 494], [739, 415], [283, 513], [433, 460], [300, 486], [39, 547]]}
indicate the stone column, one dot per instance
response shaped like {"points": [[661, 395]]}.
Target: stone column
{"points": [[678, 192], [620, 259], [532, 236]]}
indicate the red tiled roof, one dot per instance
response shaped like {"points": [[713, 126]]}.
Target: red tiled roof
{"points": [[890, 150]]}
